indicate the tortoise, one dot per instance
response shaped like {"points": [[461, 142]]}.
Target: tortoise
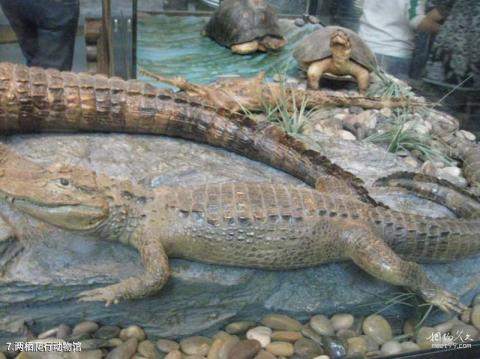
{"points": [[246, 26], [338, 52]]}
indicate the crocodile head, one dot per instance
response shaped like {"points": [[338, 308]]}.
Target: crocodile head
{"points": [[64, 196]]}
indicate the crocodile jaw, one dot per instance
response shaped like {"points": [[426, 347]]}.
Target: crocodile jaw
{"points": [[72, 217]]}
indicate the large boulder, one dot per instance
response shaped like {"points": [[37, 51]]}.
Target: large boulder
{"points": [[41, 286]]}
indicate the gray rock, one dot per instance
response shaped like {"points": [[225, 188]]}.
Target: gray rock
{"points": [[52, 271], [107, 332], [125, 350]]}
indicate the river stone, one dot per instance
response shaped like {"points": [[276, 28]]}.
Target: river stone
{"points": [[476, 316], [345, 334], [148, 350], [63, 331], [334, 347], [377, 328], [409, 326], [196, 345], [308, 332], [322, 325], [409, 347], [125, 350], [84, 328], [263, 354], [107, 332], [281, 322], [115, 342], [464, 333], [221, 335], [342, 321], [217, 344], [174, 354], [133, 331], [466, 316], [227, 346], [283, 349], [60, 259], [90, 344], [426, 336], [261, 334], [245, 349], [166, 345], [286, 336], [48, 334], [391, 347], [239, 327], [357, 345], [90, 354], [307, 348]]}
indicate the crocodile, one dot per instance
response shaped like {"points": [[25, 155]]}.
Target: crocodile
{"points": [[37, 100], [257, 225]]}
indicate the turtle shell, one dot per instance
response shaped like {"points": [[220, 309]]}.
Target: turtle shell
{"points": [[316, 46], [240, 21]]}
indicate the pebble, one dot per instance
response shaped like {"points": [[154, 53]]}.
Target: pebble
{"points": [[345, 334], [115, 342], [63, 331], [307, 348], [322, 357], [424, 337], [107, 332], [166, 345], [125, 350], [357, 345], [227, 346], [148, 350], [476, 300], [214, 351], [263, 354], [87, 354], [334, 347], [446, 326], [322, 325], [245, 349], [391, 347], [387, 112], [377, 328], [196, 345], [342, 321], [286, 336], [262, 334], [346, 135], [310, 333], [355, 110], [221, 335], [372, 345], [174, 354], [283, 349], [449, 171], [466, 316], [133, 331], [312, 19], [299, 22], [410, 161], [281, 322], [464, 333], [85, 328], [48, 334], [476, 316], [89, 344], [467, 135], [409, 347], [239, 327]]}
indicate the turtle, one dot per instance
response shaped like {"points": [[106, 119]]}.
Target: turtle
{"points": [[246, 26], [337, 52]]}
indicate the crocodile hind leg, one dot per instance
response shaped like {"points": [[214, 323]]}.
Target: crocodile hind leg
{"points": [[374, 256], [156, 274]]}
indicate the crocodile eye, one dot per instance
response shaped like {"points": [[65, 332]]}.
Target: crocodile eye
{"points": [[64, 182]]}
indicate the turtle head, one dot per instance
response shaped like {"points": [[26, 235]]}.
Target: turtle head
{"points": [[273, 42], [64, 196], [340, 45]]}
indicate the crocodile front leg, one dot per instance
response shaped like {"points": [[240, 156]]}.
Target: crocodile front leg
{"points": [[156, 274], [374, 256]]}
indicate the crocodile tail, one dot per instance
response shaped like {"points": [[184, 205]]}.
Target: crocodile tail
{"points": [[37, 100], [463, 203]]}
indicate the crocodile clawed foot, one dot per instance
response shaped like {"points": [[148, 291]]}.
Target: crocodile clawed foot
{"points": [[106, 294], [446, 301]]}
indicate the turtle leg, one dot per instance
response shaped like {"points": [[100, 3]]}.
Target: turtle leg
{"points": [[245, 48], [372, 254], [315, 71], [362, 75], [272, 43]]}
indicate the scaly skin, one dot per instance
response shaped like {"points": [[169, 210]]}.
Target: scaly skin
{"points": [[269, 226], [37, 100]]}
